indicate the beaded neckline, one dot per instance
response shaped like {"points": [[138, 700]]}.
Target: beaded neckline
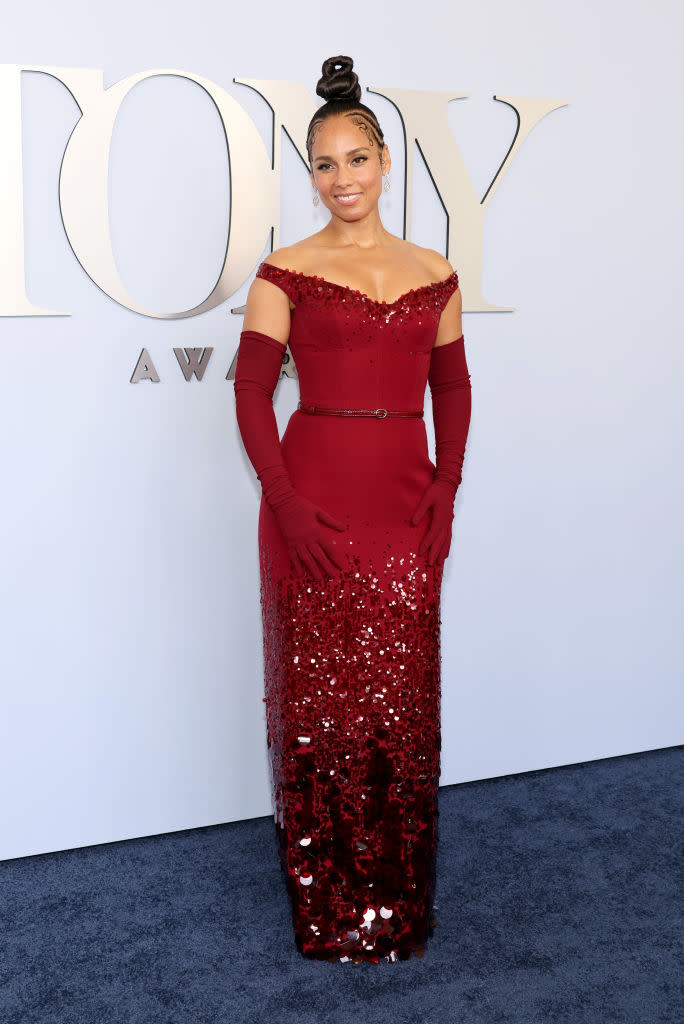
{"points": [[355, 291]]}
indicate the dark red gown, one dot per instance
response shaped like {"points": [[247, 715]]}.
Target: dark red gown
{"points": [[352, 664]]}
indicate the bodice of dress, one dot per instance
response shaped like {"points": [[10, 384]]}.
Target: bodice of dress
{"points": [[355, 352]]}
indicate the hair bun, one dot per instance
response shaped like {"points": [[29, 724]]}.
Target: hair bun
{"points": [[339, 81]]}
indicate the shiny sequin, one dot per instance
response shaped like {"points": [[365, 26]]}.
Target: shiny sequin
{"points": [[328, 314], [352, 684], [352, 663]]}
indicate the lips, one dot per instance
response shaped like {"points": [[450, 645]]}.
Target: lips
{"points": [[347, 198]]}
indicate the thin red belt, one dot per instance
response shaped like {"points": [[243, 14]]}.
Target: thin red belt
{"points": [[380, 413]]}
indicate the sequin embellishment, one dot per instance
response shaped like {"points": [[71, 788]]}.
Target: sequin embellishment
{"points": [[425, 300], [352, 678], [352, 663]]}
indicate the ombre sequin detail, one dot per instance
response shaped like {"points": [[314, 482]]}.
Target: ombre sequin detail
{"points": [[352, 663], [352, 683]]}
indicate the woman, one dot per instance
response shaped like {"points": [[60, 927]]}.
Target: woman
{"points": [[354, 526]]}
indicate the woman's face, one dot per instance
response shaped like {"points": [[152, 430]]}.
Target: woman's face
{"points": [[346, 168]]}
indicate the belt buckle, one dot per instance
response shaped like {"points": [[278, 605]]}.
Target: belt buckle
{"points": [[381, 413]]}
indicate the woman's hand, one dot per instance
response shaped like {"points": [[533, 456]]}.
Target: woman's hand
{"points": [[439, 497], [306, 530], [305, 527]]}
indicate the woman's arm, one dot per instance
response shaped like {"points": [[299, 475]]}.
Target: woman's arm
{"points": [[268, 310], [450, 390], [259, 365], [450, 325]]}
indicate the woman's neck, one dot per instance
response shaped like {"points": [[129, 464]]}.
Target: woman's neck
{"points": [[368, 233]]}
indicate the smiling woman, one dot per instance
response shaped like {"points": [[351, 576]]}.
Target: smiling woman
{"points": [[339, 85], [354, 526]]}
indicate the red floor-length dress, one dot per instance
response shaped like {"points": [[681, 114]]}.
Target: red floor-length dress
{"points": [[352, 664]]}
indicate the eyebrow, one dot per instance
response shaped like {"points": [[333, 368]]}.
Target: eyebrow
{"points": [[358, 149]]}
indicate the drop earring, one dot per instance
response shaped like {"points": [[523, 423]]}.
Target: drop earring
{"points": [[315, 197], [387, 182]]}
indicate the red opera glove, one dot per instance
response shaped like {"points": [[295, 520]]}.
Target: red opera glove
{"points": [[305, 526], [451, 405]]}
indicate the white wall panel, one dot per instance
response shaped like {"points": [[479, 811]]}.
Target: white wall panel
{"points": [[130, 655]]}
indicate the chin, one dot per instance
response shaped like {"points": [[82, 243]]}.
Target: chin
{"points": [[351, 212]]}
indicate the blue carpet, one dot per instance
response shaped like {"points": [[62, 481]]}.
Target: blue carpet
{"points": [[559, 900]]}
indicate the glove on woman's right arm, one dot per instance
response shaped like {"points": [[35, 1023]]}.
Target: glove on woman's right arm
{"points": [[301, 522]]}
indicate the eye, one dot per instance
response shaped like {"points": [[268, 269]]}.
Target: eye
{"points": [[322, 167], [359, 158]]}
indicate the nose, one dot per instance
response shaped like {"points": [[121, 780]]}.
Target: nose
{"points": [[343, 178]]}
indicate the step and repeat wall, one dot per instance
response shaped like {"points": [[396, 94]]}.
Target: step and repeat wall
{"points": [[146, 167]]}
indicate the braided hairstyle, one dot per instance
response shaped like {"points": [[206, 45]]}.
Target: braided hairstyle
{"points": [[339, 87]]}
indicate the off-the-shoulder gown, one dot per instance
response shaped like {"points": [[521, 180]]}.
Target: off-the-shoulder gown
{"points": [[352, 664]]}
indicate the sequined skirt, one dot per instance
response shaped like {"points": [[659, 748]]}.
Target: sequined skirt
{"points": [[352, 696]]}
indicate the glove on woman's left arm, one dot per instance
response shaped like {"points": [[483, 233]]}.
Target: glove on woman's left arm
{"points": [[451, 406]]}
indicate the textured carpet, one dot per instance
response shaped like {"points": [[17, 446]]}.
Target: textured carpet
{"points": [[559, 900]]}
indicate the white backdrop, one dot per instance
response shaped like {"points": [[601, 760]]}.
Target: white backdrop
{"points": [[131, 640]]}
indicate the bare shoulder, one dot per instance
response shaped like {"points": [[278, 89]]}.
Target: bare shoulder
{"points": [[284, 258], [438, 266], [300, 256]]}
